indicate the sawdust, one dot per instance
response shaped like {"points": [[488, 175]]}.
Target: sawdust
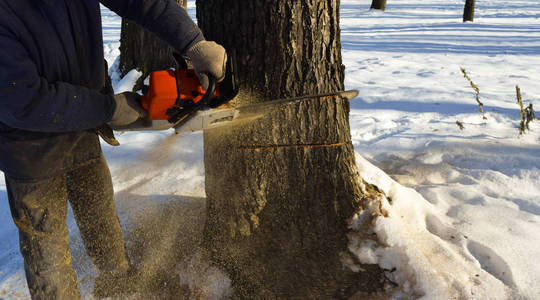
{"points": [[163, 237], [159, 156], [162, 232], [160, 237], [154, 158]]}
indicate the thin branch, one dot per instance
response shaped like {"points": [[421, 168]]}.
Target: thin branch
{"points": [[476, 91], [527, 115]]}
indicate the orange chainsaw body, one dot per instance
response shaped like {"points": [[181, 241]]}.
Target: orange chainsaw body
{"points": [[170, 88]]}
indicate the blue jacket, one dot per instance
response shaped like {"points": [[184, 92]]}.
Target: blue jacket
{"points": [[53, 77]]}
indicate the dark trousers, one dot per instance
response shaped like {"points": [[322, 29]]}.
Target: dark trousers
{"points": [[39, 210]]}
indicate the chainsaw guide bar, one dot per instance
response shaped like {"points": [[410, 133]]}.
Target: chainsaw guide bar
{"points": [[213, 118], [348, 95]]}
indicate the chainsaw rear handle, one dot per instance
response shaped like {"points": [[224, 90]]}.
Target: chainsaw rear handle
{"points": [[212, 84], [228, 88], [181, 64]]}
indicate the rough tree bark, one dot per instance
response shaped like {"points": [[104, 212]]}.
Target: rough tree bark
{"points": [[378, 4], [468, 11], [142, 50], [281, 189]]}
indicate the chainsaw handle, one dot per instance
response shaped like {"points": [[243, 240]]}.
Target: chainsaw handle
{"points": [[181, 63], [212, 83]]}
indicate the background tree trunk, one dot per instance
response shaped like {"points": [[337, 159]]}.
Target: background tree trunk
{"points": [[142, 50], [280, 190], [378, 4], [468, 12]]}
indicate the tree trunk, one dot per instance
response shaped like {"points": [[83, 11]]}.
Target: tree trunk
{"points": [[142, 50], [468, 12], [281, 189], [378, 4]]}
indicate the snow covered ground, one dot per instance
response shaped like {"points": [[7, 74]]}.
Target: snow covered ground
{"points": [[470, 229], [464, 205]]}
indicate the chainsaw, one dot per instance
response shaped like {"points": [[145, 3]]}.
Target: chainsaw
{"points": [[173, 96], [175, 99]]}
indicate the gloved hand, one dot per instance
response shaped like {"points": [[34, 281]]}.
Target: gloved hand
{"points": [[128, 109], [208, 58]]}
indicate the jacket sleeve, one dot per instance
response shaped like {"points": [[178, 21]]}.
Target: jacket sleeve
{"points": [[165, 18], [28, 101]]}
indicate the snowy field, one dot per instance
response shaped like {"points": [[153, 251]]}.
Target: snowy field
{"points": [[464, 217]]}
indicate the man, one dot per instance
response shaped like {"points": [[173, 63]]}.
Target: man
{"points": [[53, 94]]}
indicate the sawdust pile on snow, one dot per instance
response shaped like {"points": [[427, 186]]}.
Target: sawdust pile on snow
{"points": [[204, 280], [160, 200]]}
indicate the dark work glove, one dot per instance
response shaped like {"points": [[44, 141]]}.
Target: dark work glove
{"points": [[128, 109]]}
